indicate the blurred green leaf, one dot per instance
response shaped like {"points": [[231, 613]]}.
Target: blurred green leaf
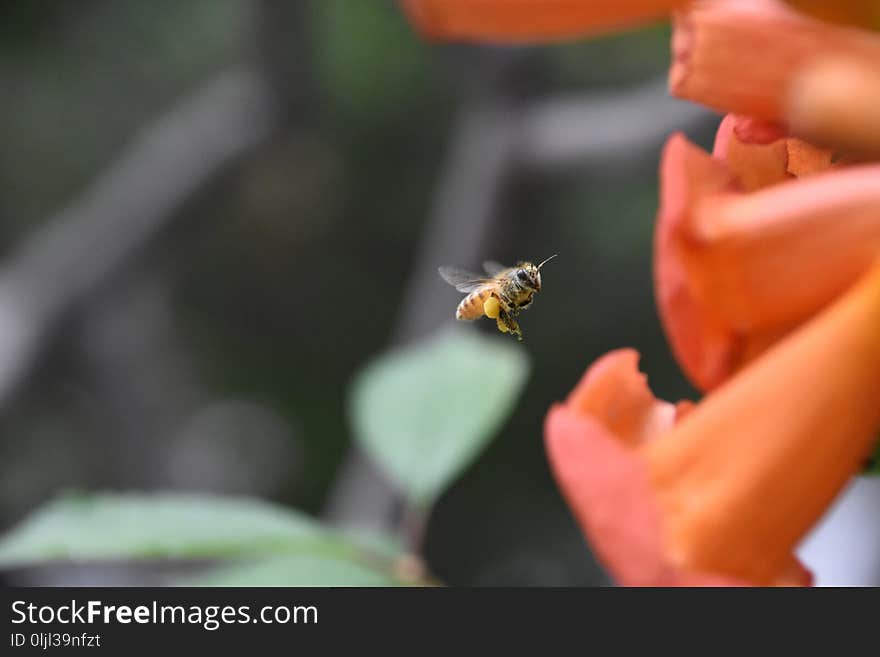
{"points": [[296, 570], [115, 526], [380, 546], [615, 59], [368, 56], [425, 412]]}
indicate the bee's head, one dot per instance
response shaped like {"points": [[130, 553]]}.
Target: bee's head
{"points": [[529, 276]]}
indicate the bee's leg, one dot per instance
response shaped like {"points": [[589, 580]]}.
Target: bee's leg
{"points": [[506, 324], [509, 306], [514, 329]]}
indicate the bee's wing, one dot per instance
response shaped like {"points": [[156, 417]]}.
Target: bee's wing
{"points": [[462, 279], [493, 268]]}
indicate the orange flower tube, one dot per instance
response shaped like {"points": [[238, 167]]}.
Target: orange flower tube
{"points": [[519, 21], [743, 56], [735, 270], [721, 493], [865, 13], [835, 101]]}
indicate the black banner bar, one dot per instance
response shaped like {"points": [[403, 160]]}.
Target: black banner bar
{"points": [[121, 619]]}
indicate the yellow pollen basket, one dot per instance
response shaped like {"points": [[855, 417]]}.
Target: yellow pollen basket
{"points": [[492, 308]]}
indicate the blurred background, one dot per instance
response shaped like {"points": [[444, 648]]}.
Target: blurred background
{"points": [[213, 213]]}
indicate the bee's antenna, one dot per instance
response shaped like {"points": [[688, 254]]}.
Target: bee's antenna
{"points": [[547, 260]]}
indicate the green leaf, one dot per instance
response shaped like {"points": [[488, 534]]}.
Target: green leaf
{"points": [[116, 526], [296, 570], [379, 545], [369, 57], [425, 412]]}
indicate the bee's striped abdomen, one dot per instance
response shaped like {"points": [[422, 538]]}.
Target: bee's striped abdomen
{"points": [[471, 307]]}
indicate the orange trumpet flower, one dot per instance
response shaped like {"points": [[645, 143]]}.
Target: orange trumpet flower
{"points": [[721, 493], [529, 20], [834, 102], [865, 13], [761, 58], [754, 241]]}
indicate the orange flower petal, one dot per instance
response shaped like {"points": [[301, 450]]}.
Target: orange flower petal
{"points": [[743, 478], [734, 272], [780, 254], [702, 343], [608, 489], [724, 495], [529, 20], [755, 164], [865, 13], [605, 479], [804, 159], [761, 154], [616, 393], [754, 131], [835, 101], [743, 55]]}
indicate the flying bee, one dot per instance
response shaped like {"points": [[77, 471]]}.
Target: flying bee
{"points": [[501, 296]]}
